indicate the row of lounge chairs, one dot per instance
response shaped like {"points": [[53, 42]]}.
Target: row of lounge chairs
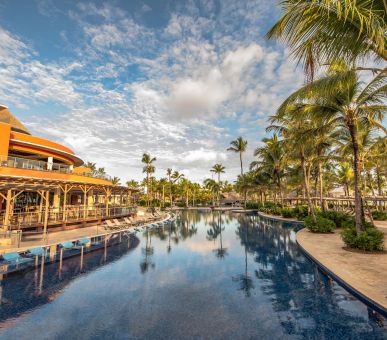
{"points": [[127, 222]]}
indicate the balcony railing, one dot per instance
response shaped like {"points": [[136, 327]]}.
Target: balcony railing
{"points": [[31, 164], [20, 220]]}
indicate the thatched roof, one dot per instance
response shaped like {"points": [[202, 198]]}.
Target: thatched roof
{"points": [[9, 118]]}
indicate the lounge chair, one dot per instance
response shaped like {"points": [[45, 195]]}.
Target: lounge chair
{"points": [[67, 245], [109, 225], [38, 251], [121, 225], [131, 221], [14, 258], [84, 241]]}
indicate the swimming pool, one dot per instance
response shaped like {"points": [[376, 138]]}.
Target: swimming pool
{"points": [[207, 275]]}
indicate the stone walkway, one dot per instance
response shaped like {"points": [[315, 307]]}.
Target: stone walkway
{"points": [[365, 272]]}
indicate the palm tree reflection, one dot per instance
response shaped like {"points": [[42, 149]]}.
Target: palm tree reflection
{"points": [[245, 280], [148, 251], [213, 233]]}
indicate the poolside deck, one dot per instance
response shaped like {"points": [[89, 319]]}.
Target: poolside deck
{"points": [[59, 237], [366, 273]]}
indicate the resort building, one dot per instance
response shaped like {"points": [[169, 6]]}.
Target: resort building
{"points": [[45, 187]]}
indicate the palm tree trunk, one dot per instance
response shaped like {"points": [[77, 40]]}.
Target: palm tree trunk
{"points": [[147, 189], [306, 185], [359, 211], [320, 176], [240, 159], [170, 193], [379, 182]]}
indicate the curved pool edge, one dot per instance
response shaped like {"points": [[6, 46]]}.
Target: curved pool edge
{"points": [[343, 283], [374, 305], [280, 218]]}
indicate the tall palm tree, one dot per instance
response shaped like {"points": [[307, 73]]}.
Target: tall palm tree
{"points": [[238, 145], [320, 31], [169, 175], [218, 169], [342, 100], [271, 160], [148, 168]]}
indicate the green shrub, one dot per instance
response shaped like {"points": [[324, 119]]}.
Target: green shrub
{"points": [[322, 225], [370, 240], [379, 215], [287, 212], [276, 211], [340, 218], [253, 205], [300, 211]]}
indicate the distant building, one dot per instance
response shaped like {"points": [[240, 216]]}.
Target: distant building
{"points": [[43, 184]]}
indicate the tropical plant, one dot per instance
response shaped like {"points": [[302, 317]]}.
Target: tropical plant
{"points": [[116, 181], [340, 99], [149, 169], [238, 145], [321, 31]]}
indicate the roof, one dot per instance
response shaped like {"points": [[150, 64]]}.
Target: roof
{"points": [[7, 117]]}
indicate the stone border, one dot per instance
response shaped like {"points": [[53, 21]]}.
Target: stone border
{"points": [[363, 298]]}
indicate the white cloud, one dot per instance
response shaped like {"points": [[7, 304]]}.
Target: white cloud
{"points": [[181, 92]]}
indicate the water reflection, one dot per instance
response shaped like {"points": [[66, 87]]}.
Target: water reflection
{"points": [[22, 292], [208, 275], [214, 232]]}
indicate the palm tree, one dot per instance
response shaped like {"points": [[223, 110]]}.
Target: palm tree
{"points": [[100, 172], [176, 177], [169, 174], [163, 182], [345, 176], [326, 30], [218, 169], [132, 184], [213, 187], [340, 99], [238, 145], [148, 168], [116, 181], [92, 166], [271, 160]]}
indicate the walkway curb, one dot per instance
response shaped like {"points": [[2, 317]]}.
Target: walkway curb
{"points": [[363, 298]]}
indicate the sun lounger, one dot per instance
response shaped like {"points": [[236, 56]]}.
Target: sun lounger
{"points": [[38, 251], [110, 225], [121, 225], [14, 258], [67, 245], [131, 221]]}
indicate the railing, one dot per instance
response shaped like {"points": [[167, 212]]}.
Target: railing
{"points": [[21, 220], [31, 164]]}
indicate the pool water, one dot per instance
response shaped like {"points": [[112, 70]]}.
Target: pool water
{"points": [[205, 276]]}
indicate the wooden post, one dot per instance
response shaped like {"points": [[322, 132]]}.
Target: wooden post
{"points": [[47, 199], [7, 216]]}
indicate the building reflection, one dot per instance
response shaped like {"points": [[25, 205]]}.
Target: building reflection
{"points": [[25, 291]]}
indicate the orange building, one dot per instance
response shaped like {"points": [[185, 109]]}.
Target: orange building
{"points": [[44, 185]]}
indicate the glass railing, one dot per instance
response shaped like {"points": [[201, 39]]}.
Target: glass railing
{"points": [[31, 164]]}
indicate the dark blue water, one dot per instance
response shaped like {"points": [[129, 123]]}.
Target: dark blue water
{"points": [[207, 276]]}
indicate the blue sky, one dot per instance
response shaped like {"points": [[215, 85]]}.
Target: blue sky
{"points": [[178, 79]]}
